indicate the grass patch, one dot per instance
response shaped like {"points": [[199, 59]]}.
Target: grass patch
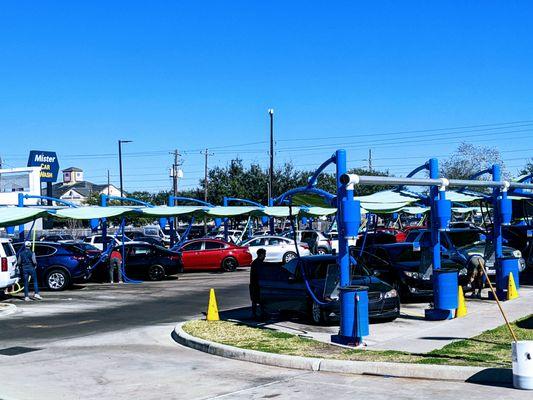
{"points": [[490, 349]]}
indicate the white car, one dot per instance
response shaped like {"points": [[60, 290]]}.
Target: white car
{"points": [[278, 249], [97, 240], [234, 235], [8, 264], [334, 238]]}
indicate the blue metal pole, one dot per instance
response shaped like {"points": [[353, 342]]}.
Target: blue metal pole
{"points": [[172, 230], [21, 227], [343, 257], [433, 195], [103, 203], [226, 232], [271, 219], [497, 228]]}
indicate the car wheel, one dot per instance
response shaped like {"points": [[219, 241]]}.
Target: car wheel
{"points": [[229, 264], [156, 273], [57, 279], [322, 251], [288, 256], [259, 313], [316, 314]]}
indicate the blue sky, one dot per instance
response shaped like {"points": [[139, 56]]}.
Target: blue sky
{"points": [[77, 76]]}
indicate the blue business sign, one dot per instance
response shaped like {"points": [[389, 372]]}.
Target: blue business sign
{"points": [[47, 160]]}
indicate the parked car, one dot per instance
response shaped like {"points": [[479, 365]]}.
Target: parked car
{"points": [[283, 288], [318, 242], [139, 236], [234, 235], [519, 237], [278, 248], [97, 240], [155, 231], [8, 264], [334, 239], [214, 254], [405, 269], [60, 264], [87, 247], [460, 244], [56, 238], [148, 261]]}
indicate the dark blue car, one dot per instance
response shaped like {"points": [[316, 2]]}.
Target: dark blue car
{"points": [[60, 264], [283, 288]]}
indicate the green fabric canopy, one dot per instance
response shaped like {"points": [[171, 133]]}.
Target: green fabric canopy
{"points": [[230, 211], [165, 211], [11, 216], [415, 210], [94, 212]]}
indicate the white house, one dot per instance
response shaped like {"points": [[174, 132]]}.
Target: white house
{"points": [[76, 190]]}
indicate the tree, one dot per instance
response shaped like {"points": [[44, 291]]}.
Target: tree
{"points": [[528, 168], [469, 159], [236, 180]]}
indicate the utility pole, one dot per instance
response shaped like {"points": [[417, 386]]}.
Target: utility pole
{"points": [[206, 153], [370, 159], [271, 170], [108, 184], [120, 167], [174, 172]]}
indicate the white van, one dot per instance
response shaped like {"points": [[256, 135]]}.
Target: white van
{"points": [[8, 264]]}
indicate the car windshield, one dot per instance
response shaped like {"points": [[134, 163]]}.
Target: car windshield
{"points": [[463, 238]]}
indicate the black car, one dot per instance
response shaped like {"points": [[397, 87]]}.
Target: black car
{"points": [[60, 264], [283, 288], [141, 237], [56, 238], [144, 260], [407, 268]]}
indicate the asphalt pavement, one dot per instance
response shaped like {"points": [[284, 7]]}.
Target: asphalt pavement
{"points": [[114, 342]]}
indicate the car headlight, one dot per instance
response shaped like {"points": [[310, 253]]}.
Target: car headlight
{"points": [[411, 274], [517, 253], [463, 271], [390, 294]]}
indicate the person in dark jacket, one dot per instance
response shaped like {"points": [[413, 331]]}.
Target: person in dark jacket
{"points": [[28, 264], [254, 279]]}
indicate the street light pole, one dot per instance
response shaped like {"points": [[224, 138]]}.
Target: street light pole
{"points": [[120, 166], [271, 171]]}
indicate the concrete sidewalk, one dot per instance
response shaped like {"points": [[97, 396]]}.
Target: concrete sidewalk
{"points": [[412, 333]]}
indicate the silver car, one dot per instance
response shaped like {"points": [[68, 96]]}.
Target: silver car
{"points": [[278, 249]]}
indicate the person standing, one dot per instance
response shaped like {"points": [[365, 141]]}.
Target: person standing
{"points": [[254, 280], [28, 263], [115, 262]]}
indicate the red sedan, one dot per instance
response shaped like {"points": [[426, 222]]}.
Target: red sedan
{"points": [[204, 254]]}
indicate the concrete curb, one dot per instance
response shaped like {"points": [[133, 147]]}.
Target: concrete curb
{"points": [[400, 370], [7, 309]]}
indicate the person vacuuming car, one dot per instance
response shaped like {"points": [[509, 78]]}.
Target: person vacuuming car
{"points": [[28, 263], [254, 279]]}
